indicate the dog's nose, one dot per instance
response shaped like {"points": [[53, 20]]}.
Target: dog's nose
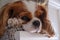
{"points": [[36, 23]]}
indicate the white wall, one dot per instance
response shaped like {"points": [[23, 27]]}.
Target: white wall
{"points": [[56, 5], [58, 1], [59, 23]]}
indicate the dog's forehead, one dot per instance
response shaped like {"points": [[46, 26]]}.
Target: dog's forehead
{"points": [[31, 6]]}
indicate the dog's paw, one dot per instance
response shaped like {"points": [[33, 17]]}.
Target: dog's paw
{"points": [[10, 22], [13, 22]]}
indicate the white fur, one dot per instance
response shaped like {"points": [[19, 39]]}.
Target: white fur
{"points": [[31, 6], [29, 26], [14, 22]]}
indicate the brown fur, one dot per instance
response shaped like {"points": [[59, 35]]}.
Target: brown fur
{"points": [[3, 19], [19, 7], [5, 14], [46, 25]]}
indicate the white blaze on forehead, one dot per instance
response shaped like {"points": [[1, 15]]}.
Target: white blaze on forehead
{"points": [[31, 6]]}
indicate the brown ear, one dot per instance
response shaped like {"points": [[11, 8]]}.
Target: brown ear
{"points": [[3, 19], [6, 12], [46, 25]]}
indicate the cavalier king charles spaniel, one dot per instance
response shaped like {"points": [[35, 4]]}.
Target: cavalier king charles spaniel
{"points": [[23, 15]]}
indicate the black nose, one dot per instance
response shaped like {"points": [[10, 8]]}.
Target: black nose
{"points": [[36, 23]]}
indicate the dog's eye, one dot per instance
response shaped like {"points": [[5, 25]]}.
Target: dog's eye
{"points": [[25, 18]]}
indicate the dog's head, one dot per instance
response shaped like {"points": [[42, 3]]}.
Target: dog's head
{"points": [[32, 17], [27, 15]]}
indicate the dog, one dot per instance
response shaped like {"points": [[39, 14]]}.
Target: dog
{"points": [[19, 14]]}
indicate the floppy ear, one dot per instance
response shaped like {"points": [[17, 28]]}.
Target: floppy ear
{"points": [[8, 11], [3, 19], [46, 25]]}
